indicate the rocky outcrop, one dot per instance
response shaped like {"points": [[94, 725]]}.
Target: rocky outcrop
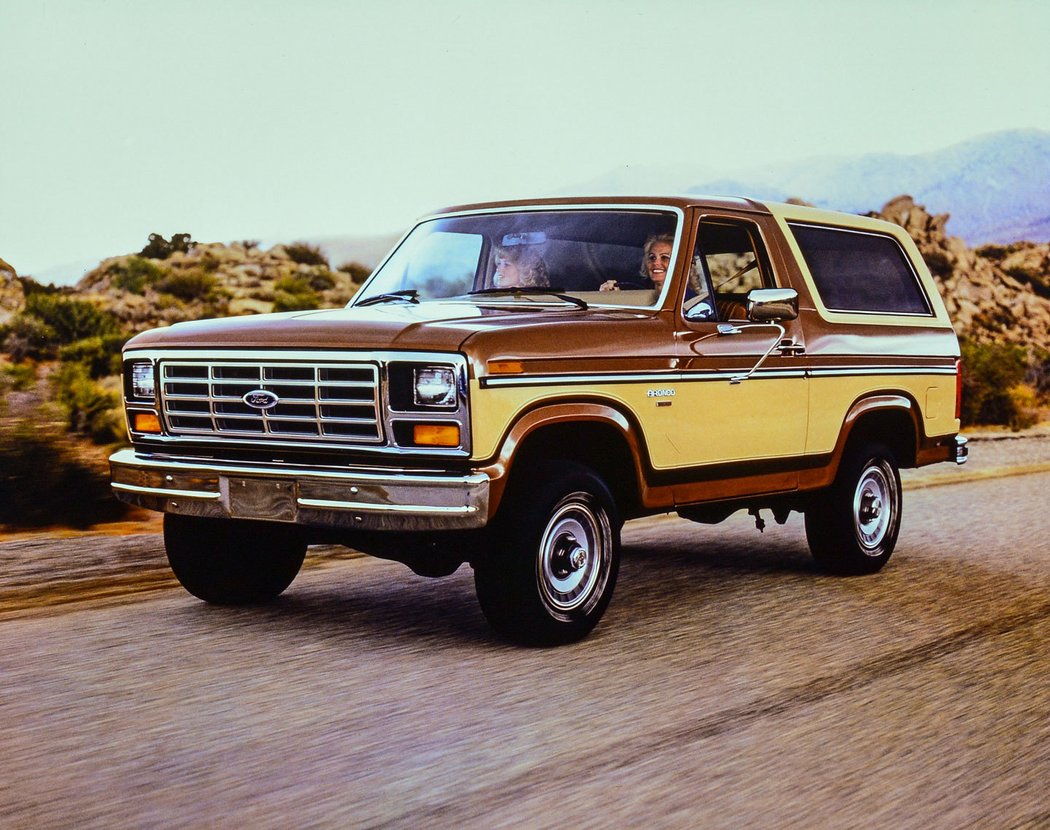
{"points": [[211, 280], [993, 294], [12, 295]]}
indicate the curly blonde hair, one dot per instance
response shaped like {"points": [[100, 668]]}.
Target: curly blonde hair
{"points": [[530, 262]]}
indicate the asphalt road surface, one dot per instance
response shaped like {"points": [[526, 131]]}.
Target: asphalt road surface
{"points": [[729, 685]]}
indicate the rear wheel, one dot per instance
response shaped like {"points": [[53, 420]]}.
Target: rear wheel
{"points": [[232, 562], [550, 573], [853, 527]]}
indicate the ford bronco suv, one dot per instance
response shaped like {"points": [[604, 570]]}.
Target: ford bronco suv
{"points": [[515, 380]]}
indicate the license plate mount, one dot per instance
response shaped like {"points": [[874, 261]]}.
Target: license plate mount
{"points": [[261, 498]]}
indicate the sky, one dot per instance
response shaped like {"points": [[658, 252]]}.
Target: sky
{"points": [[254, 119]]}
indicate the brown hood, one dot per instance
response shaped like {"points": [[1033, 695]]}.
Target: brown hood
{"points": [[426, 326]]}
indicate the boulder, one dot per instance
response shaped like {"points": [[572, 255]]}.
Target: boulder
{"points": [[998, 294], [12, 294]]}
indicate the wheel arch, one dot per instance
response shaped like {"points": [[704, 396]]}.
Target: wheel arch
{"points": [[591, 433], [893, 419]]}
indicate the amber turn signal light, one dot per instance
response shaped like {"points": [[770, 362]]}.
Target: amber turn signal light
{"points": [[435, 435], [145, 422], [506, 367]]}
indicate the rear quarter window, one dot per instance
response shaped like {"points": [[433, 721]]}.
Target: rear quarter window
{"points": [[859, 271]]}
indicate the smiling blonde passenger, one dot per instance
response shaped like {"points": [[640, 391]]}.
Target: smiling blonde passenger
{"points": [[656, 259]]}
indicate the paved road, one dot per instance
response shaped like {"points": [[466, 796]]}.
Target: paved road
{"points": [[729, 685]]}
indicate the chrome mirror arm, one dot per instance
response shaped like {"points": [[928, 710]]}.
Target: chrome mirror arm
{"points": [[731, 329]]}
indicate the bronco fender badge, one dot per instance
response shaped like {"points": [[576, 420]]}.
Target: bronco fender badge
{"points": [[261, 399]]}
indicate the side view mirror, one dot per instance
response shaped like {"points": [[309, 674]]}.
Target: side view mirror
{"points": [[765, 305]]}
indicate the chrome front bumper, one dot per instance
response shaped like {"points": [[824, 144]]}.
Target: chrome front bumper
{"points": [[360, 499]]}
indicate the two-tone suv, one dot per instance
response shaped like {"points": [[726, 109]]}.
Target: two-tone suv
{"points": [[517, 379]]}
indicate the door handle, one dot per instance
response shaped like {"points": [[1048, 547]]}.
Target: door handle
{"points": [[789, 348]]}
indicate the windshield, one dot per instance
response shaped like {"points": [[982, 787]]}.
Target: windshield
{"points": [[607, 257]]}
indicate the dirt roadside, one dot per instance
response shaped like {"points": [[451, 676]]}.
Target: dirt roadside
{"points": [[59, 566]]}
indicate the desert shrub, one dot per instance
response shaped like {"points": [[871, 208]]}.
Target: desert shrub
{"points": [[939, 263], [990, 371], [189, 285], [136, 274], [89, 406], [31, 286], [284, 301], [1024, 404], [29, 337], [995, 319], [99, 355], [249, 244], [42, 483], [160, 248], [294, 294], [322, 280], [70, 319], [306, 254], [356, 271], [1038, 374], [19, 377], [1029, 276], [996, 253]]}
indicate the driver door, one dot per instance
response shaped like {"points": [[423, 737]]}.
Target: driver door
{"points": [[744, 429]]}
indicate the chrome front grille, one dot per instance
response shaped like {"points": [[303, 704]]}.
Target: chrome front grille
{"points": [[316, 401]]}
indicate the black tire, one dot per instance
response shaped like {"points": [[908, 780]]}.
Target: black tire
{"points": [[852, 528], [232, 562], [551, 570]]}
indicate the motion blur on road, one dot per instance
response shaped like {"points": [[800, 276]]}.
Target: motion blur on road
{"points": [[730, 684]]}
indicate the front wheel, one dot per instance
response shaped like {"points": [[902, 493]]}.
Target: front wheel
{"points": [[550, 573], [230, 561], [853, 527]]}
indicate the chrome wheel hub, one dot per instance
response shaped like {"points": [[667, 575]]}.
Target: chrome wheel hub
{"points": [[873, 510], [574, 556], [568, 556]]}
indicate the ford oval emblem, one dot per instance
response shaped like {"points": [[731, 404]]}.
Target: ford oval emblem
{"points": [[261, 399]]}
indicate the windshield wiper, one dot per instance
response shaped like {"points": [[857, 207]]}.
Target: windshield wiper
{"points": [[409, 295], [534, 289]]}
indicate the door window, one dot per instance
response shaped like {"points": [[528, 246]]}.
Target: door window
{"points": [[730, 259]]}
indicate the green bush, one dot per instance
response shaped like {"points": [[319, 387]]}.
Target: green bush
{"points": [[306, 254], [136, 274], [996, 253], [42, 483], [1025, 404], [295, 294], [70, 319], [322, 280], [1029, 276], [29, 337], [357, 271], [31, 286], [939, 263], [159, 248], [19, 377], [189, 285], [99, 355], [990, 371], [285, 301], [88, 405], [1038, 374]]}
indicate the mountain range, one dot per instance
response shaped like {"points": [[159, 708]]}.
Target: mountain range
{"points": [[996, 187]]}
